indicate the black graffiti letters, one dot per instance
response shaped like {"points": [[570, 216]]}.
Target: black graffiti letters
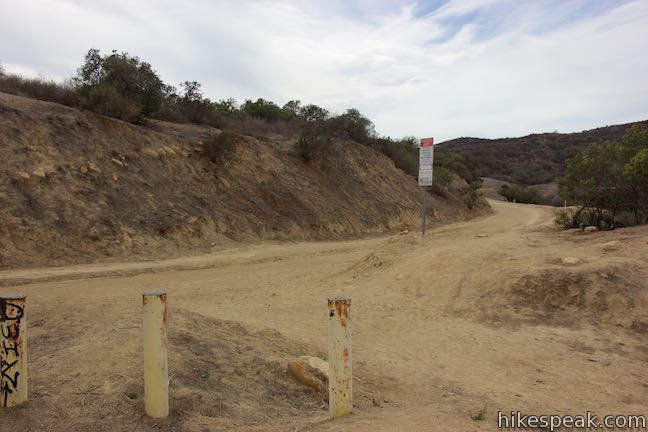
{"points": [[11, 315]]}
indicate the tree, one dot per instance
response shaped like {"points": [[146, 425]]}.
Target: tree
{"points": [[265, 109], [313, 113], [193, 106], [119, 85], [227, 106], [293, 106], [609, 179], [635, 172], [356, 126]]}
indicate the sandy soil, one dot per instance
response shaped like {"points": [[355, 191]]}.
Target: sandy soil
{"points": [[479, 313]]}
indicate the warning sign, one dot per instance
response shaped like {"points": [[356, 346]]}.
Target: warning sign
{"points": [[426, 161]]}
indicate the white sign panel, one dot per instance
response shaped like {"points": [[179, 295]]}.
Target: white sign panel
{"points": [[426, 157], [425, 178], [426, 161]]}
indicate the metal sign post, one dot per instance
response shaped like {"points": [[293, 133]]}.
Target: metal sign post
{"points": [[425, 177], [423, 209]]}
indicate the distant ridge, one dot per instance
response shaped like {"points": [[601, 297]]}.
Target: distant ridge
{"points": [[532, 159]]}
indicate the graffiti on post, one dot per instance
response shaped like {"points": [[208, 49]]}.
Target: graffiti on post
{"points": [[12, 355]]}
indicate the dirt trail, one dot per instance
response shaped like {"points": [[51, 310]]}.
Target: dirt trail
{"points": [[443, 326]]}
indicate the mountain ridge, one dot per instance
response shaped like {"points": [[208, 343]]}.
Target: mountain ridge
{"points": [[531, 159]]}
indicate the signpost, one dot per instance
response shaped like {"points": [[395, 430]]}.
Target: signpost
{"points": [[425, 177]]}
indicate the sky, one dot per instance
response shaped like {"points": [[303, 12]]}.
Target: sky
{"points": [[442, 69]]}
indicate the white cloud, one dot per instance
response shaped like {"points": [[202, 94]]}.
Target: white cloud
{"points": [[480, 67]]}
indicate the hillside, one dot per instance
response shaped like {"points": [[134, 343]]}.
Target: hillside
{"points": [[77, 187], [533, 159]]}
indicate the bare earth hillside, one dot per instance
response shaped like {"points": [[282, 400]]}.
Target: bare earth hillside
{"points": [[77, 187], [503, 311]]}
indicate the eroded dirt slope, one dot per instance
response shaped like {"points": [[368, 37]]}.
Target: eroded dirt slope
{"points": [[77, 187]]}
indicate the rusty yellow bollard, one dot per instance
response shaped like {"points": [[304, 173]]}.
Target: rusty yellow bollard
{"points": [[156, 371], [340, 374], [13, 350]]}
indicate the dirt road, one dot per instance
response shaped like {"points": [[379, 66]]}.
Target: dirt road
{"points": [[476, 314]]}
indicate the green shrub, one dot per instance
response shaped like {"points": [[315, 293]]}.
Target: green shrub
{"points": [[226, 106], [106, 100], [463, 165], [519, 194], [194, 106], [565, 219], [266, 110], [310, 113], [221, 147], [403, 152], [354, 125], [472, 195], [442, 176], [312, 144], [583, 217]]}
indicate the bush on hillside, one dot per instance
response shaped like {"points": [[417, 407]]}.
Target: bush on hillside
{"points": [[312, 113], [226, 106], [221, 147], [464, 166], [403, 152], [354, 125], [266, 110], [312, 143], [442, 176], [193, 105], [37, 88], [473, 193], [261, 129], [519, 194], [106, 100]]}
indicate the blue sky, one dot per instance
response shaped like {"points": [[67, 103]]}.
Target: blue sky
{"points": [[487, 68]]}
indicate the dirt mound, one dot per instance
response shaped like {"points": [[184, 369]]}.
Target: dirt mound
{"points": [[76, 187], [616, 295]]}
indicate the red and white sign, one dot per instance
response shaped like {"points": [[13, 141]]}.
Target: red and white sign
{"points": [[426, 161], [426, 142]]}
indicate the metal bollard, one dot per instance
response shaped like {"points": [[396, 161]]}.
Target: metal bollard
{"points": [[13, 350], [339, 341], [156, 371]]}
